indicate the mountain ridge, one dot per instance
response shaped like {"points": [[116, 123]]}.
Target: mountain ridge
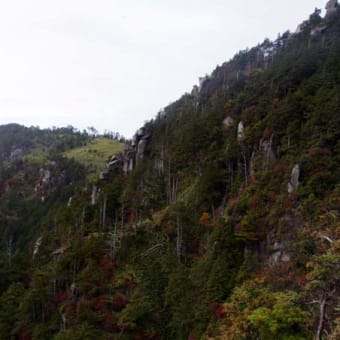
{"points": [[219, 220]]}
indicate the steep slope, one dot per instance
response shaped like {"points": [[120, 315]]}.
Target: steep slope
{"points": [[220, 219]]}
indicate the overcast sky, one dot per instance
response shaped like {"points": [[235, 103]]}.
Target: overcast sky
{"points": [[113, 64]]}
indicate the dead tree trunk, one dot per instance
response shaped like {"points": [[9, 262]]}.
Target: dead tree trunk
{"points": [[321, 318], [104, 211], [114, 237], [179, 239], [9, 248], [245, 168]]}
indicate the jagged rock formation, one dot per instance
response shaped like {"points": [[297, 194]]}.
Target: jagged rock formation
{"points": [[266, 147], [45, 181], [16, 153], [318, 31], [263, 157], [133, 152], [240, 131], [202, 239], [294, 179], [37, 245], [331, 8]]}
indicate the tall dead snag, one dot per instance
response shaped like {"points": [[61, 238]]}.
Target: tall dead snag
{"points": [[179, 233], [104, 210]]}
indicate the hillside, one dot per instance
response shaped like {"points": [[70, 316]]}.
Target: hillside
{"points": [[94, 155], [218, 220]]}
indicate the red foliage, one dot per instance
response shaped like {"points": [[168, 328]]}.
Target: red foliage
{"points": [[251, 108], [23, 335], [228, 107], [218, 211], [132, 217], [156, 317], [97, 304], [315, 151], [140, 335], [238, 227], [252, 205], [60, 297], [280, 168], [192, 336], [267, 134], [110, 322], [302, 280], [119, 301], [282, 275], [129, 283], [317, 169], [288, 203], [271, 196], [106, 262], [218, 310]]}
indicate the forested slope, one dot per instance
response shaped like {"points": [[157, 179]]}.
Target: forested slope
{"points": [[220, 219]]}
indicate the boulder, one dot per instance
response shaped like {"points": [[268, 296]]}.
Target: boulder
{"points": [[228, 122]]}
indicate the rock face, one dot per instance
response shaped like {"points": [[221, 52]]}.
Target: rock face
{"points": [[318, 31], [46, 182], [278, 242], [116, 162], [331, 8], [294, 179], [94, 195], [279, 254], [195, 91], [16, 153], [263, 157], [37, 245], [201, 81], [135, 150], [45, 176], [266, 147], [240, 131], [228, 122], [140, 149], [302, 27]]}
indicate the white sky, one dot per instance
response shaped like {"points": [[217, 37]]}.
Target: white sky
{"points": [[113, 64]]}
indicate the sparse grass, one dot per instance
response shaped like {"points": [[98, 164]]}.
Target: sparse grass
{"points": [[95, 154], [37, 155]]}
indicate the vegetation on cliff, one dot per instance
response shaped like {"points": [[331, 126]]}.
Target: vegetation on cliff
{"points": [[223, 225]]}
